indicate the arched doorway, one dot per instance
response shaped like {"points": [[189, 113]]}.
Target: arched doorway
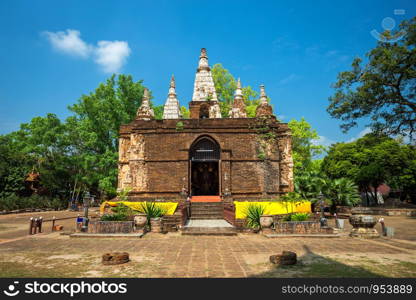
{"points": [[204, 157]]}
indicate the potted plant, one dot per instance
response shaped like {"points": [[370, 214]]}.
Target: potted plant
{"points": [[254, 213], [154, 216]]}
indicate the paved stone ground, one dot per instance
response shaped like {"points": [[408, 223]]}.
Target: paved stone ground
{"points": [[173, 255]]}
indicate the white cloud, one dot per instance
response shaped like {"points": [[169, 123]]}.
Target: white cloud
{"points": [[323, 141], [109, 55], [288, 79], [359, 135], [69, 42]]}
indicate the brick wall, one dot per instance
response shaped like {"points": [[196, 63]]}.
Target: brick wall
{"points": [[154, 157]]}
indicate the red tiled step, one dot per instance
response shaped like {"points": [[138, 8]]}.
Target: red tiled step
{"points": [[206, 199]]}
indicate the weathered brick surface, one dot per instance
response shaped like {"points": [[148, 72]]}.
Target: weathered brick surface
{"points": [[154, 157], [298, 227]]}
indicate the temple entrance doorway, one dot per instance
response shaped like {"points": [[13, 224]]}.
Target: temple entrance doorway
{"points": [[204, 168], [205, 179]]}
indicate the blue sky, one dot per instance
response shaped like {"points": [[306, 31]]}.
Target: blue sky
{"points": [[52, 52]]}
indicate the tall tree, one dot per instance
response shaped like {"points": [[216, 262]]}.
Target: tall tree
{"points": [[93, 130], [305, 150], [225, 85], [371, 161], [384, 88]]}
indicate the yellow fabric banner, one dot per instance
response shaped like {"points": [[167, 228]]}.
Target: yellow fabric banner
{"points": [[272, 208], [168, 207]]}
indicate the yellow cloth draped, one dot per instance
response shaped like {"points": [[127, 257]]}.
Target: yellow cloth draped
{"points": [[273, 208], [168, 207]]}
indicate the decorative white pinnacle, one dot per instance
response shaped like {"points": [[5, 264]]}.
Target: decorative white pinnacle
{"points": [[263, 96], [171, 110], [145, 112], [204, 87], [238, 92]]}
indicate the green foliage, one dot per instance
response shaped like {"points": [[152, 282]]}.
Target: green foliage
{"points": [[158, 110], [77, 155], [114, 217], [151, 210], [122, 195], [93, 131], [185, 112], [384, 89], [297, 217], [120, 212], [179, 126], [371, 161], [261, 155], [251, 110], [254, 212], [304, 150], [13, 202], [341, 191], [225, 86]]}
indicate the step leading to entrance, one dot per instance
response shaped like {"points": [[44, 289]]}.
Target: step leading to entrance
{"points": [[209, 227], [205, 199], [207, 210]]}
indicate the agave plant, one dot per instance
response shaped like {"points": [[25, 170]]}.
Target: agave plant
{"points": [[254, 212], [152, 210]]}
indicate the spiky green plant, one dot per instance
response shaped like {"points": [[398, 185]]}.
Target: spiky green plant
{"points": [[151, 210], [299, 217], [254, 212]]}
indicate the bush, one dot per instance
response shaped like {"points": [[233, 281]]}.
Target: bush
{"points": [[297, 217], [254, 212], [13, 202], [114, 217], [121, 212]]}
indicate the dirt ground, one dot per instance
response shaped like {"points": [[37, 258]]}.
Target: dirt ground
{"points": [[172, 255]]}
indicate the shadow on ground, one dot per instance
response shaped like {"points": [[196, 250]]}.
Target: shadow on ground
{"points": [[313, 265]]}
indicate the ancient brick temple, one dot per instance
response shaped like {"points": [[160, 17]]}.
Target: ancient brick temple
{"points": [[233, 158]]}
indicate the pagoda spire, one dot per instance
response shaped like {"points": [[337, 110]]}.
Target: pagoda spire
{"points": [[238, 109], [263, 96], [264, 109], [171, 109], [145, 112], [204, 88]]}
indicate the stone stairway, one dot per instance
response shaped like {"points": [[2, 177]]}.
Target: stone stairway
{"points": [[209, 227], [206, 210]]}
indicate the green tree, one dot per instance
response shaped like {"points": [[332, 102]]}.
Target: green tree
{"points": [[372, 160], [304, 149], [225, 85], [158, 110], [185, 112], [383, 89], [93, 131]]}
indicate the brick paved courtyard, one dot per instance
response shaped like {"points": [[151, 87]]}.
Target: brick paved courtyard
{"points": [[173, 255]]}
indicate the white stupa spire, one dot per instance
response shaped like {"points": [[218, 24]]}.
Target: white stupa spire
{"points": [[263, 96], [171, 109], [145, 112], [204, 87]]}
